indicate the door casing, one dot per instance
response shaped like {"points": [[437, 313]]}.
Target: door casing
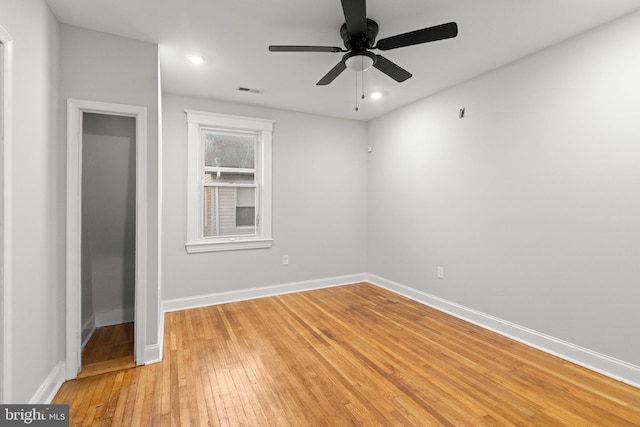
{"points": [[6, 378], [75, 110]]}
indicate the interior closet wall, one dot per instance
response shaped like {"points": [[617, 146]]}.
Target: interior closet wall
{"points": [[108, 221]]}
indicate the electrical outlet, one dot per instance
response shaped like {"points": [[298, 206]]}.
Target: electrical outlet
{"points": [[285, 259], [440, 272]]}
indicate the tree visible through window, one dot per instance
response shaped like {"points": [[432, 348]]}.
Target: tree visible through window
{"points": [[229, 195]]}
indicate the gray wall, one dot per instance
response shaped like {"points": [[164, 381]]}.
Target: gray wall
{"points": [[531, 202], [108, 219], [319, 202], [101, 67], [35, 342]]}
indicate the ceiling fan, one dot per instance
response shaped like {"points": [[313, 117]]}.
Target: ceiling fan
{"points": [[359, 35]]}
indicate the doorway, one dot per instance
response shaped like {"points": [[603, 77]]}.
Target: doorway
{"points": [[106, 238], [107, 281]]}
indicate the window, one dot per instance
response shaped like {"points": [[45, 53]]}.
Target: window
{"points": [[229, 182]]}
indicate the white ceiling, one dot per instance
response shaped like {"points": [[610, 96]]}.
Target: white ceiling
{"points": [[233, 37]]}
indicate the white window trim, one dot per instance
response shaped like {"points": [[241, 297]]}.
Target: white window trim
{"points": [[196, 122]]}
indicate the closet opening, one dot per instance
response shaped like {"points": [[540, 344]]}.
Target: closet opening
{"points": [[106, 237], [108, 222]]}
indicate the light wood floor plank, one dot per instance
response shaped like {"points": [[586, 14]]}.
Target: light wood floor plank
{"points": [[109, 349], [352, 355]]}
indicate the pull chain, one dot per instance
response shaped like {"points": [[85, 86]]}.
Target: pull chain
{"points": [[356, 91], [362, 81], [362, 59]]}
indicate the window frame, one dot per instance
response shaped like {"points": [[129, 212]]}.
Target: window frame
{"points": [[197, 123]]}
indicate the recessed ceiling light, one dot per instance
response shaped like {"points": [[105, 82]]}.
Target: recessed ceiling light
{"points": [[196, 59], [375, 95]]}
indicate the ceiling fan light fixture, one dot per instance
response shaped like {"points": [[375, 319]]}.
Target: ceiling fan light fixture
{"points": [[359, 62], [359, 35]]}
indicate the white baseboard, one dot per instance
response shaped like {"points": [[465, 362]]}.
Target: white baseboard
{"points": [[88, 329], [253, 293], [48, 389], [114, 317], [609, 366], [153, 352], [606, 365]]}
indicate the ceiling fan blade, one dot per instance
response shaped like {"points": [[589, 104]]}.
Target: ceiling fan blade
{"points": [[355, 16], [392, 70], [425, 35], [332, 74], [284, 48]]}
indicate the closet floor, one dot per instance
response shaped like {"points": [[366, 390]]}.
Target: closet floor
{"points": [[109, 349]]}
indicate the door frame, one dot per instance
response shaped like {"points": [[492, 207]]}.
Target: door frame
{"points": [[6, 45], [75, 110]]}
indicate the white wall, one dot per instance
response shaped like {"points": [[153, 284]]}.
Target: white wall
{"points": [[5, 39], [36, 342], [101, 67], [319, 202], [108, 219], [531, 202]]}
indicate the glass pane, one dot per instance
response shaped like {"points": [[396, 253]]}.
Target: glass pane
{"points": [[229, 150], [222, 216], [246, 197], [229, 178], [245, 216]]}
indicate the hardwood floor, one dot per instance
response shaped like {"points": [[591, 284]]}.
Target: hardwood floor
{"points": [[109, 349], [350, 355]]}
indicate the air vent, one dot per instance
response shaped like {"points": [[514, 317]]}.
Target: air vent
{"points": [[250, 90]]}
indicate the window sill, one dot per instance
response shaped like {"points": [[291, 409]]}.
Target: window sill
{"points": [[227, 245]]}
